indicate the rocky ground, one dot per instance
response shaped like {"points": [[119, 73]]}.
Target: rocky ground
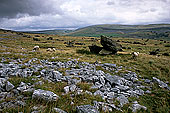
{"points": [[105, 79]]}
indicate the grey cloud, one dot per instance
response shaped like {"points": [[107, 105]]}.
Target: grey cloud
{"points": [[11, 8], [39, 14], [153, 9], [110, 3]]}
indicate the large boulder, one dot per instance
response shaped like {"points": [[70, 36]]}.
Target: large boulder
{"points": [[110, 45]]}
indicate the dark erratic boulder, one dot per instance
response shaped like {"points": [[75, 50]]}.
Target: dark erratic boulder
{"points": [[95, 49], [166, 54], [155, 52], [86, 109], [50, 38], [36, 39], [110, 45], [45, 95]]}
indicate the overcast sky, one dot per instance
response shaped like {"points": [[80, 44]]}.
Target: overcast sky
{"points": [[52, 14]]}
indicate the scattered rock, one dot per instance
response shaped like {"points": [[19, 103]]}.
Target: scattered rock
{"points": [[2, 82], [105, 107], [58, 110], [20, 103], [161, 83], [86, 109], [45, 95], [123, 100], [136, 106], [147, 81], [148, 92], [106, 85], [66, 89], [9, 86], [72, 88], [35, 112]]}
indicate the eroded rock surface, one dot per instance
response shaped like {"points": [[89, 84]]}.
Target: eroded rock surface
{"points": [[45, 95]]}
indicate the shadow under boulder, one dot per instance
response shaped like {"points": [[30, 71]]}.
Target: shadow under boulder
{"points": [[95, 49], [109, 46]]}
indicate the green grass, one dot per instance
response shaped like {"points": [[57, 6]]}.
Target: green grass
{"points": [[146, 65]]}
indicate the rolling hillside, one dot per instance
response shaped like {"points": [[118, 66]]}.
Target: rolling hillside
{"points": [[153, 31], [55, 32]]}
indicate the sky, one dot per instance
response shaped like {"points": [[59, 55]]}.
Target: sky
{"points": [[34, 15]]}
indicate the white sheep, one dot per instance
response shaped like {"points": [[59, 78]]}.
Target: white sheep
{"points": [[50, 50], [54, 50], [36, 48], [135, 55]]}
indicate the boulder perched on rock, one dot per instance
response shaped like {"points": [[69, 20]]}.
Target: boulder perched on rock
{"points": [[110, 45], [45, 95]]}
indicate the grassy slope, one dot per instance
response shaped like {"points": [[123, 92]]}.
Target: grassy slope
{"points": [[140, 31], [146, 65]]}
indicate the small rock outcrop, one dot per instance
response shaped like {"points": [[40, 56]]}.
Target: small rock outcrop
{"points": [[86, 109], [9, 86], [58, 110], [161, 83], [136, 106], [45, 95]]}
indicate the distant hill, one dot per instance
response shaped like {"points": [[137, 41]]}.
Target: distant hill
{"points": [[153, 31], [55, 32]]}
